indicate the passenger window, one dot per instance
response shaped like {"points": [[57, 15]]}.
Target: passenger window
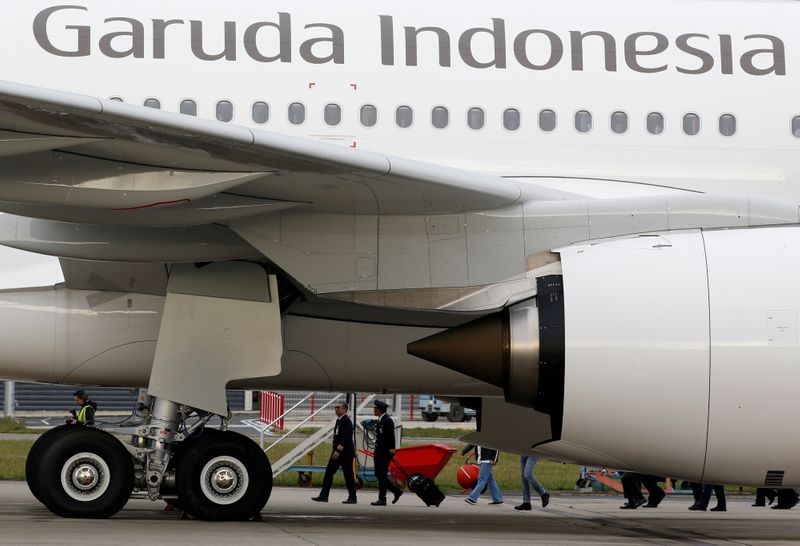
{"points": [[796, 126], [655, 123], [727, 125], [691, 124], [619, 122], [153, 103], [260, 112], [440, 117], [511, 119], [583, 121], [333, 114], [404, 117], [369, 115], [547, 120], [476, 118], [297, 113], [116, 99], [224, 111], [188, 107]]}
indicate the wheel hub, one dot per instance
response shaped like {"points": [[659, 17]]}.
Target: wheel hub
{"points": [[85, 476], [224, 480]]}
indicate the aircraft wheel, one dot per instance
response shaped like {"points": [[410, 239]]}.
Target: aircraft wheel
{"points": [[429, 416], [85, 474], [35, 453], [223, 476]]}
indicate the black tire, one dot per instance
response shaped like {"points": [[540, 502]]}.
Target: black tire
{"points": [[456, 413], [88, 448], [34, 456], [246, 463], [429, 416]]}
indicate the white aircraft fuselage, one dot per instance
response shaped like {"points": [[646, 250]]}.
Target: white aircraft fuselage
{"points": [[670, 58], [613, 188]]}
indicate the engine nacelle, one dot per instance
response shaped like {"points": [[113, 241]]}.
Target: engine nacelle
{"points": [[680, 355]]}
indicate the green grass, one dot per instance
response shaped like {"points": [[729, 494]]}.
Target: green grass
{"points": [[10, 425], [12, 459], [415, 432]]}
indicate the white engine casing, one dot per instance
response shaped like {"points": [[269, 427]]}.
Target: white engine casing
{"points": [[682, 354]]}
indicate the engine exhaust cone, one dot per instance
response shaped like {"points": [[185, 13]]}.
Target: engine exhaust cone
{"points": [[479, 348]]}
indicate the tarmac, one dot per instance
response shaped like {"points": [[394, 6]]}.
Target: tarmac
{"points": [[291, 518]]}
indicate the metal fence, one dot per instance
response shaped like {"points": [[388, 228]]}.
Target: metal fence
{"points": [[35, 397], [320, 399]]}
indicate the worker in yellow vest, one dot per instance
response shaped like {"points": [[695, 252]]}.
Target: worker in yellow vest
{"points": [[85, 415]]}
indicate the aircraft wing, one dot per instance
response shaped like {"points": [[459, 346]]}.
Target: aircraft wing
{"points": [[118, 162]]}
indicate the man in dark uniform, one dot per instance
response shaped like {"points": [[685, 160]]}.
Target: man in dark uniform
{"points": [[384, 452], [342, 456]]}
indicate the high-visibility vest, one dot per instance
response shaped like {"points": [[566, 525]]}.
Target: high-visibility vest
{"points": [[82, 414]]}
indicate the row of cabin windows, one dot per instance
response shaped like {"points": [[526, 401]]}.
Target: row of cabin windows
{"points": [[476, 117]]}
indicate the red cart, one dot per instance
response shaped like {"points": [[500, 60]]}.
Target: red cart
{"points": [[428, 460]]}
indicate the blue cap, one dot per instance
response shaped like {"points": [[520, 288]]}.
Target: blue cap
{"points": [[81, 393], [381, 405]]}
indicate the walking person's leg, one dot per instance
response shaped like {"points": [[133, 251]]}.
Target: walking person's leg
{"points": [[327, 481], [530, 465], [382, 474], [349, 477], [719, 492], [526, 488], [483, 478], [494, 489]]}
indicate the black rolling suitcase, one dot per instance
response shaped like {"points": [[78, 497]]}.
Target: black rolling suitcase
{"points": [[424, 487]]}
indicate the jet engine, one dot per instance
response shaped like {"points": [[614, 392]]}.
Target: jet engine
{"points": [[672, 353]]}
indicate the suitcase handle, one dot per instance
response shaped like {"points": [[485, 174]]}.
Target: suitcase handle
{"points": [[402, 468]]}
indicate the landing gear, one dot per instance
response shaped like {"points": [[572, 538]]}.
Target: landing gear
{"points": [[429, 416], [223, 476], [85, 473]]}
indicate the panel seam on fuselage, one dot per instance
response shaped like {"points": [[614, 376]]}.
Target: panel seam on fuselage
{"points": [[708, 399]]}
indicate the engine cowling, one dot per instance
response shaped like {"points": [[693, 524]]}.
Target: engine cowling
{"points": [[680, 355]]}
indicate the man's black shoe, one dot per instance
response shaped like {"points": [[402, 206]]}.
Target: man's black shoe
{"points": [[761, 504], [697, 507], [523, 506], [379, 502], [351, 500], [719, 509], [545, 499], [396, 497], [319, 499], [655, 499]]}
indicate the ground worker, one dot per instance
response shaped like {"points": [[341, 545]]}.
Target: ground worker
{"points": [[85, 415]]}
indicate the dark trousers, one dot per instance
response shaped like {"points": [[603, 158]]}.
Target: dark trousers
{"points": [[787, 498], [762, 494], [345, 461], [632, 486], [705, 495], [382, 473]]}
